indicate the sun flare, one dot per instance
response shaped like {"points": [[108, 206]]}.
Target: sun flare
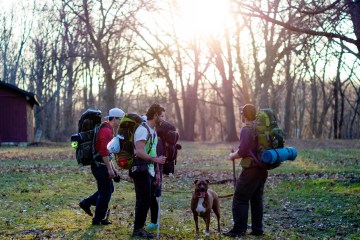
{"points": [[203, 17]]}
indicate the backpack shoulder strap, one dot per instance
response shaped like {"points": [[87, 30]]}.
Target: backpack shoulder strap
{"points": [[149, 137]]}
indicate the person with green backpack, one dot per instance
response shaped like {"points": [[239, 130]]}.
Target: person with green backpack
{"points": [[142, 170], [250, 184]]}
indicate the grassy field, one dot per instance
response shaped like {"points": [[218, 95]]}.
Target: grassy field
{"points": [[315, 197]]}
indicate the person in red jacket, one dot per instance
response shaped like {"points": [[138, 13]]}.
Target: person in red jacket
{"points": [[103, 170]]}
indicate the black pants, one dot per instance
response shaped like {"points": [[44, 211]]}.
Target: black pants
{"points": [[249, 188], [142, 182], [102, 196]]}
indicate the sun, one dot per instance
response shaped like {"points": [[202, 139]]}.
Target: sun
{"points": [[203, 18]]}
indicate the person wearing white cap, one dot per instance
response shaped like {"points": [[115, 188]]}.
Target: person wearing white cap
{"points": [[103, 170]]}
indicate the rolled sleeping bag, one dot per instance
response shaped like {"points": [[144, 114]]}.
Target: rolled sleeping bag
{"points": [[279, 154]]}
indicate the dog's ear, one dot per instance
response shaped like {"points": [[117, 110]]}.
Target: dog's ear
{"points": [[207, 181], [195, 182]]}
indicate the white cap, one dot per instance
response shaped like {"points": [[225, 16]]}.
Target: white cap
{"points": [[144, 118], [116, 112]]}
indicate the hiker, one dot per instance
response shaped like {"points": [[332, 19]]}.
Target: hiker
{"points": [[103, 170], [250, 184], [142, 172]]}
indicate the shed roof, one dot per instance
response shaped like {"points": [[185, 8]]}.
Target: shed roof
{"points": [[32, 97]]}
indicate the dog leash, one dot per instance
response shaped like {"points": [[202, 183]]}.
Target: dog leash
{"points": [[170, 191]]}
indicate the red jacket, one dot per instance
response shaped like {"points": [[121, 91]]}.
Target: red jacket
{"points": [[104, 137]]}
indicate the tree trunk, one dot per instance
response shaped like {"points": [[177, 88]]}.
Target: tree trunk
{"points": [[227, 89], [288, 99], [354, 11]]}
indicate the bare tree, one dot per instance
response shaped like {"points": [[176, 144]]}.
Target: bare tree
{"points": [[335, 14], [106, 24], [225, 67]]}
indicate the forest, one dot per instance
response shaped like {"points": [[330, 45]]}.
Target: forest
{"points": [[201, 59]]}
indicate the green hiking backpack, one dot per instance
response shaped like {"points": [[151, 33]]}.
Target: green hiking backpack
{"points": [[128, 125], [269, 135]]}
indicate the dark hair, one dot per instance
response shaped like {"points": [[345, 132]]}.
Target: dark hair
{"points": [[111, 118], [249, 111], [154, 109]]}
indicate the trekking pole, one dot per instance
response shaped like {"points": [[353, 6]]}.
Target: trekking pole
{"points": [[107, 214], [158, 198], [234, 171], [158, 223]]}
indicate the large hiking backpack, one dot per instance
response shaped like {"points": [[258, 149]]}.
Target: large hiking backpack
{"points": [[84, 141], [269, 135], [128, 125], [169, 137]]}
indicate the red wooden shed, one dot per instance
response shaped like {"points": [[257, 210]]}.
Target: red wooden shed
{"points": [[16, 114]]}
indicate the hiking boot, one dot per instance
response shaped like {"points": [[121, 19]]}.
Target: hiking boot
{"points": [[234, 233], [102, 222], [85, 208], [141, 233], [151, 226], [257, 233]]}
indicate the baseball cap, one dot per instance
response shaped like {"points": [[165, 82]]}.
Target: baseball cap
{"points": [[116, 112]]}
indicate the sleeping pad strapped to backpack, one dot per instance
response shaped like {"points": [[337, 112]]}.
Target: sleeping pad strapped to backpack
{"points": [[269, 135]]}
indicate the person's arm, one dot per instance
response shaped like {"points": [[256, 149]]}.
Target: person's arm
{"points": [[244, 145], [109, 166]]}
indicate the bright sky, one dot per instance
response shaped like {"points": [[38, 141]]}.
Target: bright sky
{"points": [[203, 17]]}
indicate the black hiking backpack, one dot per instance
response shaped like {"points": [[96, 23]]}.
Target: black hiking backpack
{"points": [[84, 141], [166, 131]]}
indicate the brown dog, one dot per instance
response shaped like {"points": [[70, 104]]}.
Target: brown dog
{"points": [[203, 200]]}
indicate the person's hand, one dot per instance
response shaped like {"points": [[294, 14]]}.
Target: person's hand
{"points": [[116, 172], [231, 155], [160, 160]]}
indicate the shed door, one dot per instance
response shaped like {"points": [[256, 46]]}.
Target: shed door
{"points": [[13, 119]]}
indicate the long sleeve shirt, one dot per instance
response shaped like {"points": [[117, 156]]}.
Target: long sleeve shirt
{"points": [[248, 146], [104, 137]]}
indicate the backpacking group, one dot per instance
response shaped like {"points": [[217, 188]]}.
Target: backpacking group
{"points": [[147, 146], [137, 147]]}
